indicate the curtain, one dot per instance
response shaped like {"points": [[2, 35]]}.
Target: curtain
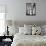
{"points": [[2, 19]]}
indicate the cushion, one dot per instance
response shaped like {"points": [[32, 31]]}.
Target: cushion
{"points": [[21, 30], [13, 30], [24, 30], [28, 31], [36, 30], [28, 26], [44, 29], [44, 26]]}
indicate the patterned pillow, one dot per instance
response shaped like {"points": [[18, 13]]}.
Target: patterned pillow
{"points": [[36, 30]]}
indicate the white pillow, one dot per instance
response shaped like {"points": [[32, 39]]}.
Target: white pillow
{"points": [[44, 27], [42, 30], [36, 30], [24, 30], [21, 30], [28, 26], [13, 30], [33, 30], [28, 31]]}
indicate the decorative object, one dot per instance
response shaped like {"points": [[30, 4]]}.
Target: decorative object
{"points": [[7, 30], [30, 9]]}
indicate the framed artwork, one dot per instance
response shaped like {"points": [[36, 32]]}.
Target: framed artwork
{"points": [[30, 9]]}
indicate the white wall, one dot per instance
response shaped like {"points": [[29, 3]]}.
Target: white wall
{"points": [[16, 10]]}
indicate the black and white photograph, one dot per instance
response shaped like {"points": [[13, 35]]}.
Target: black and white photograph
{"points": [[30, 9]]}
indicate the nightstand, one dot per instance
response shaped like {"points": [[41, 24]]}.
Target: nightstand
{"points": [[7, 40], [11, 37], [7, 43]]}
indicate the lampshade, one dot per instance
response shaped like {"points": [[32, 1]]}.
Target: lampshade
{"points": [[9, 22]]}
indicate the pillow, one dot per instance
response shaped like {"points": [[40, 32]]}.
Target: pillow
{"points": [[24, 30], [21, 30], [13, 30], [33, 30], [44, 29], [28, 31], [44, 26], [36, 30], [28, 26]]}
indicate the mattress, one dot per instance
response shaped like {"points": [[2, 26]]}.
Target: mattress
{"points": [[28, 40]]}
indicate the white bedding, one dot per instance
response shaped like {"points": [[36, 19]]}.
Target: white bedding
{"points": [[29, 40]]}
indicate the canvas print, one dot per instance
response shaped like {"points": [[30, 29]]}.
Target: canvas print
{"points": [[30, 9]]}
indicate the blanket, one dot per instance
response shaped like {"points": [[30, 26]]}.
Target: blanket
{"points": [[29, 40]]}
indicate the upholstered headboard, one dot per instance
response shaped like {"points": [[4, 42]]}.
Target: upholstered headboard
{"points": [[21, 23]]}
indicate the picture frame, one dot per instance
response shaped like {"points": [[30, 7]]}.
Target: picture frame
{"points": [[30, 9]]}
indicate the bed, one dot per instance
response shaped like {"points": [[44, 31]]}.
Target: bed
{"points": [[21, 39], [29, 40]]}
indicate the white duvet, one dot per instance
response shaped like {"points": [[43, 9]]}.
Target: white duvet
{"points": [[29, 40]]}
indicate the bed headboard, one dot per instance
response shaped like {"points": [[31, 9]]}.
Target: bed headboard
{"points": [[21, 23]]}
